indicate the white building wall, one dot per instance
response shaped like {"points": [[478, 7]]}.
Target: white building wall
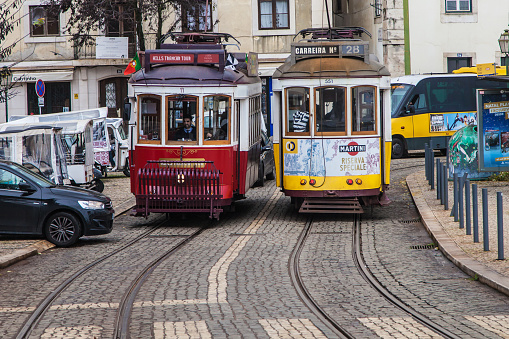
{"points": [[434, 35]]}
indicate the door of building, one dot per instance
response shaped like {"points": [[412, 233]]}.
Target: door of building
{"points": [[112, 93]]}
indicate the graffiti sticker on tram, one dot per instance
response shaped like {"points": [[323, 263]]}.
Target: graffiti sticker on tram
{"points": [[333, 157]]}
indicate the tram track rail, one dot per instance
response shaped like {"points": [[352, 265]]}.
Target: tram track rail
{"points": [[384, 292], [31, 323], [366, 274], [123, 317]]}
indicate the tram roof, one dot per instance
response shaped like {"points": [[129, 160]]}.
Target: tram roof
{"points": [[332, 67], [201, 75]]}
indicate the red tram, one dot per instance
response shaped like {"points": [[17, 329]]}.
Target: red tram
{"points": [[195, 126]]}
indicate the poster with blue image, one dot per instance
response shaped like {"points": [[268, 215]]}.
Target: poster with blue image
{"points": [[493, 110]]}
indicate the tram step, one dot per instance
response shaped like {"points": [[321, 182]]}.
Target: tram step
{"points": [[317, 205]]}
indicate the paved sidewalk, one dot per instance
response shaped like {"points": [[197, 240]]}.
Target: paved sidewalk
{"points": [[16, 248], [453, 241]]}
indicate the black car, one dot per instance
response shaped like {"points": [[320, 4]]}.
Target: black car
{"points": [[31, 204], [267, 167]]}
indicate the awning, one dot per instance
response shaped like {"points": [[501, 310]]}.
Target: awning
{"points": [[44, 76]]}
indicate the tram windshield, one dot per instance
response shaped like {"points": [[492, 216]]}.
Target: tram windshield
{"points": [[298, 110], [363, 109], [216, 115], [182, 118], [330, 110]]}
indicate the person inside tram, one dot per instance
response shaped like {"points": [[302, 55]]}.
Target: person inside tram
{"points": [[187, 131], [301, 120], [221, 133]]}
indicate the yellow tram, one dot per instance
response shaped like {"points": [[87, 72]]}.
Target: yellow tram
{"points": [[332, 123]]}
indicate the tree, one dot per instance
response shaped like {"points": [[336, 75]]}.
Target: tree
{"points": [[138, 16]]}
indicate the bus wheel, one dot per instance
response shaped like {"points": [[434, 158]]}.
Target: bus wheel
{"points": [[398, 148]]}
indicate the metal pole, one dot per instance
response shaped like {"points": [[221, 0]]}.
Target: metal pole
{"points": [[426, 160], [467, 207], [454, 211], [460, 203], [6, 105], [432, 163], [438, 178], [475, 212], [500, 226], [485, 231], [446, 188]]}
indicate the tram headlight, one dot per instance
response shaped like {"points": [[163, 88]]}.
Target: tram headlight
{"points": [[349, 181], [303, 181], [312, 182], [358, 181]]}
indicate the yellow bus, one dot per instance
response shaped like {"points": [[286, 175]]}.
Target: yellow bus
{"points": [[429, 109]]}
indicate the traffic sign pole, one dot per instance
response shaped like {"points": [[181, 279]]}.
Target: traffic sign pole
{"points": [[40, 89]]}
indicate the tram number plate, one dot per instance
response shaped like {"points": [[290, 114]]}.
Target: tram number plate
{"points": [[352, 49], [329, 81]]}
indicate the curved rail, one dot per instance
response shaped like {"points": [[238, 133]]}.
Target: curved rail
{"points": [[373, 281], [124, 313], [45, 304], [293, 267]]}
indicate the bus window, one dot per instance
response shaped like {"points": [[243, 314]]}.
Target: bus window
{"points": [[330, 110], [398, 93], [363, 109], [297, 117]]}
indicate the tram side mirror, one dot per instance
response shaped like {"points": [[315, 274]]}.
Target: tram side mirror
{"points": [[127, 111]]}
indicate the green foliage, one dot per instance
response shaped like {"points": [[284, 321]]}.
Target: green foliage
{"points": [[500, 176]]}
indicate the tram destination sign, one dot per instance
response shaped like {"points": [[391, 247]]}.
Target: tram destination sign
{"points": [[329, 50], [183, 58]]}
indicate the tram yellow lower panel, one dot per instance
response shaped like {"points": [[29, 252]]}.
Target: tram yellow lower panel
{"points": [[370, 181]]}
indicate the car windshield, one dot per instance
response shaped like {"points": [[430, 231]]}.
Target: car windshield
{"points": [[398, 92], [39, 179]]}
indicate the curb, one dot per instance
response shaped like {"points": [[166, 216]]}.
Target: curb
{"points": [[449, 247], [22, 253], [43, 245]]}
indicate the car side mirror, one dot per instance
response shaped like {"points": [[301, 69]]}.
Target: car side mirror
{"points": [[410, 109], [23, 186], [127, 111]]}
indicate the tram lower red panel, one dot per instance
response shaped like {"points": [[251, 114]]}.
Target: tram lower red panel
{"points": [[186, 179]]}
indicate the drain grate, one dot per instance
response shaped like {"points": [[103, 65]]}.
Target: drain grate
{"points": [[423, 247], [410, 221]]}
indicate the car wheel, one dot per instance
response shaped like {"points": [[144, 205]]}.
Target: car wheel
{"points": [[126, 171], [398, 148], [62, 229], [98, 185], [272, 174]]}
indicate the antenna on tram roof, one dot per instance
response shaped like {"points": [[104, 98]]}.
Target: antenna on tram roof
{"points": [[333, 33]]}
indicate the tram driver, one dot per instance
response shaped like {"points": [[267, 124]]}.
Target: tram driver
{"points": [[187, 132]]}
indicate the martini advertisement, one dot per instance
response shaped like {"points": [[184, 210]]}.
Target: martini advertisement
{"points": [[493, 106]]}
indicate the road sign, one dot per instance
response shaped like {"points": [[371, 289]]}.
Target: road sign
{"points": [[41, 101], [40, 88]]}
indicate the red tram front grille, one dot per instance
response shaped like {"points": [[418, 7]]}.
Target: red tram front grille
{"points": [[178, 186]]}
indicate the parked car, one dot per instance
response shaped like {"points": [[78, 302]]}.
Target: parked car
{"points": [[267, 168], [31, 204]]}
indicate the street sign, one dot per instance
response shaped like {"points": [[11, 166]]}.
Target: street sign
{"points": [[41, 101], [40, 88]]}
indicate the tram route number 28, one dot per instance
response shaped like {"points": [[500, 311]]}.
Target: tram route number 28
{"points": [[352, 49]]}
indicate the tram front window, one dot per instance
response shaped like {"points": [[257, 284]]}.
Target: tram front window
{"points": [[216, 115], [297, 119], [363, 109], [182, 118], [150, 118], [330, 109]]}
